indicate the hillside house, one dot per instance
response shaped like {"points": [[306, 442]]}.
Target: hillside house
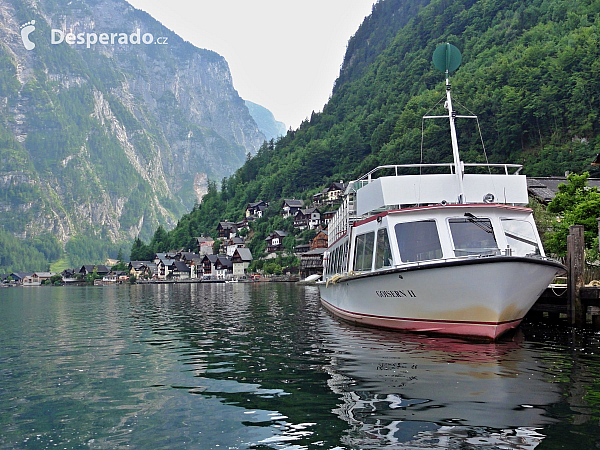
{"points": [[256, 209], [205, 245], [544, 189], [241, 259], [275, 241], [326, 218], [320, 240], [226, 230], [232, 244], [331, 194], [307, 218], [291, 207]]}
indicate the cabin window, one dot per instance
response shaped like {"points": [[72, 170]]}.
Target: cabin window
{"points": [[520, 237], [473, 236], [363, 251], [383, 251], [418, 241]]}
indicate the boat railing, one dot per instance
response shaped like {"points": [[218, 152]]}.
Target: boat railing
{"points": [[368, 177]]}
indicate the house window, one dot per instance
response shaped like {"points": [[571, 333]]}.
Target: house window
{"points": [[520, 237], [473, 236], [383, 251], [363, 251], [418, 241]]}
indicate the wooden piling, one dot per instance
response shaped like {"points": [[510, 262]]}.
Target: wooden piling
{"points": [[575, 264]]}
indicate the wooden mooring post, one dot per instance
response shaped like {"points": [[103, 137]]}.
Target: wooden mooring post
{"points": [[575, 263]]}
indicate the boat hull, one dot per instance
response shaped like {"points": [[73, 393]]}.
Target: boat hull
{"points": [[479, 297]]}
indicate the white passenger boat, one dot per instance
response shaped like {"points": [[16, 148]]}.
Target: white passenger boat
{"points": [[453, 253]]}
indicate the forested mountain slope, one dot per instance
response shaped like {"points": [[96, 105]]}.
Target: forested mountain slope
{"points": [[104, 141], [529, 71]]}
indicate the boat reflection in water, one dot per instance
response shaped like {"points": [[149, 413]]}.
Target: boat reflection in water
{"points": [[410, 391]]}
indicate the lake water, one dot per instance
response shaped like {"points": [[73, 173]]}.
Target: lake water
{"points": [[264, 366]]}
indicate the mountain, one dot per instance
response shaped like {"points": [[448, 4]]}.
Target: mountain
{"points": [[110, 131], [528, 72], [271, 128]]}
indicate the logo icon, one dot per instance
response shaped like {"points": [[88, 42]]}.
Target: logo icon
{"points": [[26, 29]]}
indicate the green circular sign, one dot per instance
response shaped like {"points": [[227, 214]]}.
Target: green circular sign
{"points": [[446, 57]]}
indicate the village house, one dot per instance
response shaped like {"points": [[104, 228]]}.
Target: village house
{"points": [[256, 209], [320, 240], [544, 189], [205, 245], [19, 276], [331, 194], [311, 262], [88, 269], [180, 270], [241, 259], [223, 267], [275, 241], [326, 217], [232, 244], [208, 263], [117, 277], [291, 206], [140, 269], [301, 248], [37, 278], [307, 218], [226, 230], [69, 275]]}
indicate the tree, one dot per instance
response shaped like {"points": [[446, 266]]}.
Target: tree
{"points": [[576, 203]]}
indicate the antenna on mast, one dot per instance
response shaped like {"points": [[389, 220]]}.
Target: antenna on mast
{"points": [[447, 58]]}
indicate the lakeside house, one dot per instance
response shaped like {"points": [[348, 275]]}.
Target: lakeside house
{"points": [[311, 262], [88, 269], [205, 245], [241, 259], [37, 278]]}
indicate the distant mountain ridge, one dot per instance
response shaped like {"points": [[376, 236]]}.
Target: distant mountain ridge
{"points": [[112, 140], [271, 128]]}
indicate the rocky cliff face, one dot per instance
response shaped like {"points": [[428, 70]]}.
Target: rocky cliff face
{"points": [[113, 135]]}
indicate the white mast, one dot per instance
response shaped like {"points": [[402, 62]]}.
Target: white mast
{"points": [[458, 164], [447, 58]]}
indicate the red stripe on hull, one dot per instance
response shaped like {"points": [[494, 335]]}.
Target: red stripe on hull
{"points": [[485, 330]]}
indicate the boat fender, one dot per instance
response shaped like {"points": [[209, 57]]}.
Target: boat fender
{"points": [[443, 203]]}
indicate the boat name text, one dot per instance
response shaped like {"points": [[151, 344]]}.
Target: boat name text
{"points": [[406, 293]]}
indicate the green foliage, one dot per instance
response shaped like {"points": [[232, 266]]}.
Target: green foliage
{"points": [[141, 251], [90, 250], [20, 256], [576, 203]]}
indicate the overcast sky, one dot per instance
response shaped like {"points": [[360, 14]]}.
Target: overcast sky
{"points": [[284, 55]]}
